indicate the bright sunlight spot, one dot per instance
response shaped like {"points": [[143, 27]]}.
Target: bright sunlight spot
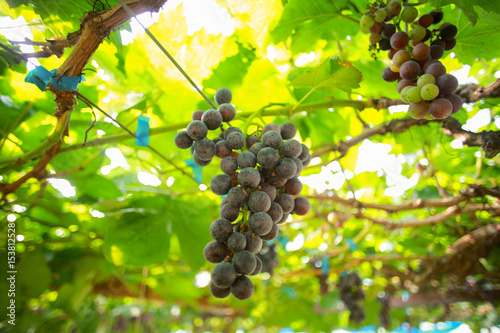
{"points": [[305, 58], [209, 15], [11, 217], [18, 208], [329, 178], [296, 244], [117, 160], [480, 119], [146, 178], [96, 213], [170, 181], [202, 279], [20, 238], [63, 186]]}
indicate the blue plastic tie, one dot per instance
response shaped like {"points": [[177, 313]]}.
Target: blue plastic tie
{"points": [[325, 267], [352, 246], [40, 77], [66, 83], [142, 134], [197, 170]]}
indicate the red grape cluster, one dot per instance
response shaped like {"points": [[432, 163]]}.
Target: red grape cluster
{"points": [[351, 293], [260, 185], [422, 78]]}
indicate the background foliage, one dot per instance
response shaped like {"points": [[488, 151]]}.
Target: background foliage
{"points": [[111, 238]]}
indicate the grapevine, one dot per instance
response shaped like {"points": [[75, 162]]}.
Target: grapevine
{"points": [[422, 81], [260, 184]]}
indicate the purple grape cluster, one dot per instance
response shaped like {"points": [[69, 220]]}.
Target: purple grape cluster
{"points": [[260, 183], [422, 79]]}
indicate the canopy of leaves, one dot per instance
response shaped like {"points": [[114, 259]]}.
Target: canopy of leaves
{"points": [[110, 237]]}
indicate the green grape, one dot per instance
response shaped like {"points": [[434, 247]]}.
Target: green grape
{"points": [[409, 14], [425, 79], [418, 110], [404, 93], [367, 21], [380, 15], [364, 29], [429, 92], [413, 95], [418, 33]]}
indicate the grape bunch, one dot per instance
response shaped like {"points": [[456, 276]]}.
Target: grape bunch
{"points": [[352, 295], [260, 183], [422, 79]]}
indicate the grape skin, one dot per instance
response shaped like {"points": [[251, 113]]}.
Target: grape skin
{"points": [[222, 96], [182, 140], [269, 190], [223, 275], [242, 288], [249, 178], [235, 140], [229, 212], [222, 150], [237, 242], [212, 118], [258, 267], [286, 202], [441, 108], [251, 140], [204, 149], [447, 84], [219, 292], [418, 110], [237, 197], [215, 252], [268, 158], [197, 130], [221, 184], [272, 139], [291, 148], [254, 242], [244, 262], [231, 130], [197, 115], [260, 223], [228, 165], [275, 212], [271, 127], [436, 69], [286, 168], [221, 229], [271, 235], [388, 75], [399, 40], [256, 147], [227, 112], [410, 70], [259, 202], [293, 186], [302, 206], [247, 160], [288, 130], [456, 101]]}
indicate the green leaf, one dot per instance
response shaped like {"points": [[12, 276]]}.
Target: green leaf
{"points": [[34, 276], [99, 187], [467, 7], [330, 75], [297, 13], [137, 240]]}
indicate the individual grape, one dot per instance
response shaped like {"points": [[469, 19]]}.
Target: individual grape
{"points": [[228, 165], [276, 180], [450, 44], [286, 202], [436, 51], [288, 130], [272, 139], [403, 94], [222, 150], [199, 162], [384, 44], [399, 40], [448, 32], [223, 275], [304, 154], [418, 110], [377, 28], [293, 186], [197, 115], [286, 168], [227, 112], [421, 51], [299, 164], [271, 235], [237, 242], [215, 140], [302, 206], [204, 149], [366, 21], [400, 57], [441, 108], [364, 29], [275, 212], [394, 68], [410, 70], [429, 92], [269, 190], [224, 201], [244, 262], [219, 292], [413, 95], [212, 118], [389, 75], [256, 147], [249, 178], [428, 35], [259, 201], [254, 242], [221, 229], [182, 140], [268, 158], [375, 38], [456, 101], [409, 14], [447, 84], [436, 69], [403, 83], [247, 160], [258, 267], [271, 127], [436, 16], [242, 288], [229, 212], [291, 148], [197, 130], [231, 130], [426, 20], [237, 197], [221, 184], [388, 30], [430, 62], [422, 62], [222, 96], [425, 79], [283, 219], [307, 161], [215, 252], [260, 223], [235, 140], [380, 15], [439, 42], [393, 7], [251, 140]]}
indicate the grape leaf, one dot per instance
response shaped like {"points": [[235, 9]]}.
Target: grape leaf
{"points": [[330, 75], [467, 7]]}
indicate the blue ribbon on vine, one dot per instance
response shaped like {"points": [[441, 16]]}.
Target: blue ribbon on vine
{"points": [[40, 77], [325, 264], [197, 170], [352, 246], [142, 133]]}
